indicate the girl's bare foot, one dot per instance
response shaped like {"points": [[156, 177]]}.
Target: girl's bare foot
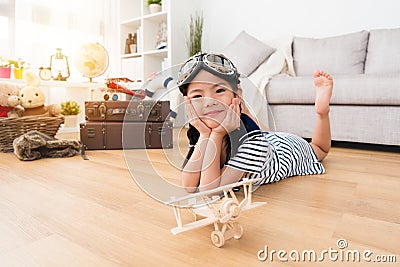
{"points": [[323, 83]]}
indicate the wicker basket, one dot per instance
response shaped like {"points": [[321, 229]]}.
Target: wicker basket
{"points": [[11, 128]]}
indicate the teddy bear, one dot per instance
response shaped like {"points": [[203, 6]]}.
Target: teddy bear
{"points": [[9, 101], [33, 99]]}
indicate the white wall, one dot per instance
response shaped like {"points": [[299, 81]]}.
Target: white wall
{"points": [[270, 19]]}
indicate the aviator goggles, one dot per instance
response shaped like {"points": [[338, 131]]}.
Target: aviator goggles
{"points": [[214, 63]]}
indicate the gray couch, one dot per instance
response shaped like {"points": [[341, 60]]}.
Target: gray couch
{"points": [[365, 105]]}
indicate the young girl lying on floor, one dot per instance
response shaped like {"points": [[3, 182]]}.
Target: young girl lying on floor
{"points": [[226, 144]]}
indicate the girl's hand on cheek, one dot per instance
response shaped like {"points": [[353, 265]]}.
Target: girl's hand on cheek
{"points": [[232, 119], [194, 118]]}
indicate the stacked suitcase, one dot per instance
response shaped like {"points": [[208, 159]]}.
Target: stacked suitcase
{"points": [[126, 125]]}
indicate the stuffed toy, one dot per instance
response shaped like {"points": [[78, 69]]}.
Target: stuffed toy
{"points": [[161, 84], [9, 100], [33, 99]]}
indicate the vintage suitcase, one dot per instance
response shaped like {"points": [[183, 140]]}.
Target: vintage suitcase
{"points": [[126, 135], [135, 110]]}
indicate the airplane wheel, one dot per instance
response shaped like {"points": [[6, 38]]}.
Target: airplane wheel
{"points": [[217, 238], [230, 207], [237, 229]]}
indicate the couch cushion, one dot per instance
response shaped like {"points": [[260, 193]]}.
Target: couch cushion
{"points": [[366, 124], [344, 54], [362, 89], [247, 52], [383, 51]]}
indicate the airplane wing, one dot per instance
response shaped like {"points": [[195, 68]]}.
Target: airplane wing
{"points": [[193, 225], [253, 205], [190, 201]]}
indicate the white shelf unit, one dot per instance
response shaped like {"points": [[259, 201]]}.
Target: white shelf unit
{"points": [[135, 17]]}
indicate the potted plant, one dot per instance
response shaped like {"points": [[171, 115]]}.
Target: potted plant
{"points": [[154, 5], [18, 68], [70, 110], [195, 34], [5, 68]]}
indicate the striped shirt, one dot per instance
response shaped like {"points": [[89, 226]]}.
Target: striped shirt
{"points": [[275, 156]]}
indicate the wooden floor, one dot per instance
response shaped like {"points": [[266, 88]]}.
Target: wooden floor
{"points": [[72, 212]]}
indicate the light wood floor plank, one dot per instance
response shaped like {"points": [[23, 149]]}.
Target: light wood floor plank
{"points": [[374, 233], [53, 251]]}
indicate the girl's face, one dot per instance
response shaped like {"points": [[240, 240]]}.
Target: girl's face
{"points": [[210, 96]]}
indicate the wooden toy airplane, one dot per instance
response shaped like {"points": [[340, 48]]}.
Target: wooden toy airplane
{"points": [[222, 212], [114, 85]]}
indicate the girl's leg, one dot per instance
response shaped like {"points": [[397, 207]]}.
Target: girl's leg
{"points": [[321, 139]]}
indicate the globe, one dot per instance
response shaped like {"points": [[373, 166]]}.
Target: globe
{"points": [[91, 59]]}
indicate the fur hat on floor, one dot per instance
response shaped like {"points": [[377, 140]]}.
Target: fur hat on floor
{"points": [[36, 145]]}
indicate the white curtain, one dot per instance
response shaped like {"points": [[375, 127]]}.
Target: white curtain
{"points": [[32, 29]]}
